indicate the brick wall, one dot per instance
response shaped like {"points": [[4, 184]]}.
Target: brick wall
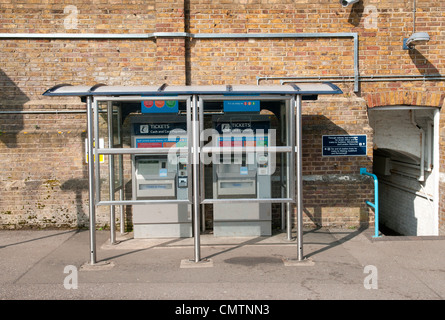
{"points": [[334, 191], [30, 66], [43, 182]]}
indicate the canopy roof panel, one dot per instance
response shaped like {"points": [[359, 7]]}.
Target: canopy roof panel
{"points": [[166, 90]]}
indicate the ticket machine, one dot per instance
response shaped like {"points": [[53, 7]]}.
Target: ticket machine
{"points": [[160, 177], [242, 175]]}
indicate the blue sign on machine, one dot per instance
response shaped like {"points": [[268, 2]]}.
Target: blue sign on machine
{"points": [[344, 145]]}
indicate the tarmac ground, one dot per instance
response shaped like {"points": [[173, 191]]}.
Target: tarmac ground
{"points": [[339, 265]]}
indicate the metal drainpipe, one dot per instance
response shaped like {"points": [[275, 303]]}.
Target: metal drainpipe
{"points": [[41, 111], [414, 16], [429, 146], [422, 146], [373, 78]]}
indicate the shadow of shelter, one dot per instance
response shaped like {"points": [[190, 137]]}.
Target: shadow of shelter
{"points": [[12, 100]]}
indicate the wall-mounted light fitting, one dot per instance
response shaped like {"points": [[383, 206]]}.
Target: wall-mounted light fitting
{"points": [[346, 3], [417, 38]]}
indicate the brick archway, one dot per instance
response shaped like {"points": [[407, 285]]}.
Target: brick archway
{"points": [[410, 98]]}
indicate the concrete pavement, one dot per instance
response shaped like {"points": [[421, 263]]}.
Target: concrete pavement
{"points": [[344, 264]]}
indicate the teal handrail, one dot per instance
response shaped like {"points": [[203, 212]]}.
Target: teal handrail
{"points": [[375, 205]]}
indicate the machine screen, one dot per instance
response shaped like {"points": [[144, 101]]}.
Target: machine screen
{"points": [[148, 167]]}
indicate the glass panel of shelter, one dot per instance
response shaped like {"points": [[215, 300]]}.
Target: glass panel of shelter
{"points": [[246, 161], [162, 138], [244, 155]]}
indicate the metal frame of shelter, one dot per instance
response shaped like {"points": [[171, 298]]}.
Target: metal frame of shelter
{"points": [[194, 96]]}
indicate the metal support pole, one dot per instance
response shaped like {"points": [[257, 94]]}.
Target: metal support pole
{"points": [[290, 165], [299, 183], [92, 206], [121, 169], [196, 198], [289, 221], [283, 137], [111, 172], [121, 194], [356, 61], [201, 167], [283, 194], [96, 148]]}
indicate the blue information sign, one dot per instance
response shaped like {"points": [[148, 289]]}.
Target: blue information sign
{"points": [[344, 145], [241, 105]]}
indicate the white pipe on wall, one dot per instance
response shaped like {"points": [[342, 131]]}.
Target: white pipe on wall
{"points": [[422, 146]]}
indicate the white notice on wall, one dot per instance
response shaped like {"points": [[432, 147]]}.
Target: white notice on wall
{"points": [[101, 145]]}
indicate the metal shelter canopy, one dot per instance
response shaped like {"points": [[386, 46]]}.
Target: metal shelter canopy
{"points": [[166, 90], [121, 93]]}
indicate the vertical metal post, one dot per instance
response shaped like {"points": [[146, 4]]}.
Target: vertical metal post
{"points": [[283, 194], [121, 169], [289, 221], [111, 172], [96, 147], [356, 61], [299, 131], [201, 167], [92, 205], [196, 202], [121, 194], [284, 135], [189, 153], [290, 165]]}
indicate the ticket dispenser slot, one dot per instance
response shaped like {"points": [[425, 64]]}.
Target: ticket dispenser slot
{"points": [[235, 179]]}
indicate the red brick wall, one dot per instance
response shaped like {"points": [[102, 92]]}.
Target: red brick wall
{"points": [[30, 66], [334, 193]]}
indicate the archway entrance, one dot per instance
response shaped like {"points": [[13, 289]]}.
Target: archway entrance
{"points": [[406, 163]]}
